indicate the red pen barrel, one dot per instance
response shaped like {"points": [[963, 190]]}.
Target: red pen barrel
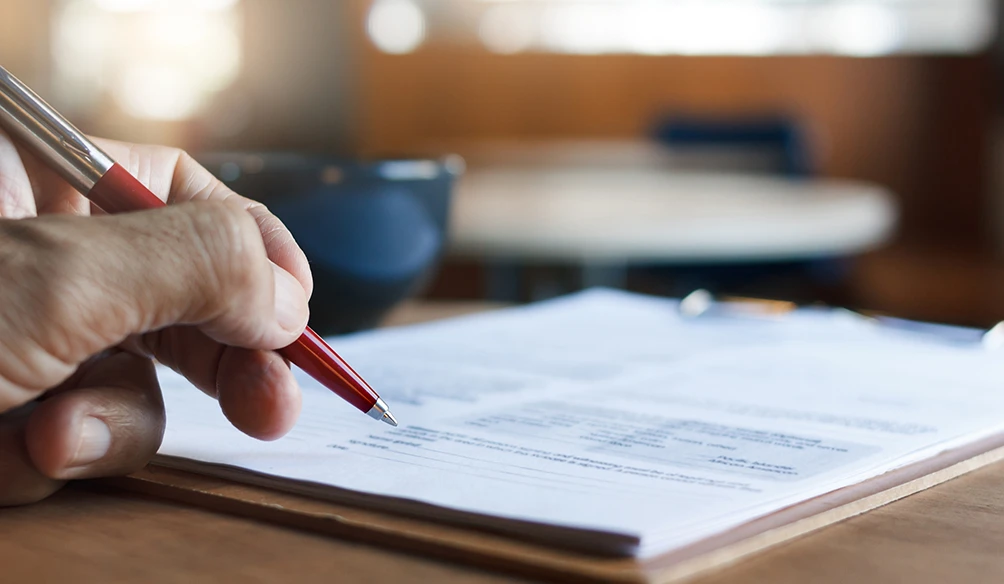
{"points": [[118, 191], [320, 361]]}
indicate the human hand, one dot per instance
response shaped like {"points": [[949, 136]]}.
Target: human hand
{"points": [[86, 302]]}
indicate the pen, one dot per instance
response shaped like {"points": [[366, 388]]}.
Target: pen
{"points": [[108, 185]]}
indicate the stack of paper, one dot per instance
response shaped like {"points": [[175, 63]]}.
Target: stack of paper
{"points": [[608, 422]]}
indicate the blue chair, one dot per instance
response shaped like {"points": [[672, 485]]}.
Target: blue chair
{"points": [[781, 136]]}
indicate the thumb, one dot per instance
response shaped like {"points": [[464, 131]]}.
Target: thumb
{"points": [[74, 286]]}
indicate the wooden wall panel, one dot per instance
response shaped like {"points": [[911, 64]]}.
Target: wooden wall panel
{"points": [[914, 124], [24, 37]]}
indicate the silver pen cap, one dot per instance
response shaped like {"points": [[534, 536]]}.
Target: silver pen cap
{"points": [[36, 125]]}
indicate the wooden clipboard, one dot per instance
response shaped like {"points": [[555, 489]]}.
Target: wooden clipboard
{"points": [[503, 554]]}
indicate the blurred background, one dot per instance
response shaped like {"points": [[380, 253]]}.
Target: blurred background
{"points": [[846, 151]]}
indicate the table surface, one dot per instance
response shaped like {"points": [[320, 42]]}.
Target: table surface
{"points": [[90, 533], [641, 214]]}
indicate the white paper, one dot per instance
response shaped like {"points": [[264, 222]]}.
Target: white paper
{"points": [[609, 417]]}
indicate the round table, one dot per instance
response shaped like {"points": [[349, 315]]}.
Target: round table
{"points": [[633, 215]]}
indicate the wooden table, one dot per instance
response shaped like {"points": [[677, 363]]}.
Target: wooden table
{"points": [[601, 208], [657, 215], [610, 201], [92, 533]]}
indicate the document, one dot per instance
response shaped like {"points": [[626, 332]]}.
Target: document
{"points": [[609, 422]]}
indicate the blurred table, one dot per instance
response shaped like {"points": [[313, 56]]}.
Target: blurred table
{"points": [[91, 533], [664, 216]]}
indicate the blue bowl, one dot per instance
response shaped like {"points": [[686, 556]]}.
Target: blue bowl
{"points": [[374, 232]]}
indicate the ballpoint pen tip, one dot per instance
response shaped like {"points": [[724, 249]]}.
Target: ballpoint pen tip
{"points": [[389, 419]]}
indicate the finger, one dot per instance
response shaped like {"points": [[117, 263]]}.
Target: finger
{"points": [[47, 191], [176, 177], [172, 175], [111, 424], [87, 284], [16, 199], [258, 393], [279, 244], [20, 481], [256, 389]]}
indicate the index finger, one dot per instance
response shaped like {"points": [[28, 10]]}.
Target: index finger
{"points": [[172, 175], [176, 177]]}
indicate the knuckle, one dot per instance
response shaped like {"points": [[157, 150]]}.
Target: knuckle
{"points": [[40, 257], [233, 249], [43, 292]]}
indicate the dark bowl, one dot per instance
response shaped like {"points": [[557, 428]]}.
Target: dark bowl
{"points": [[373, 231]]}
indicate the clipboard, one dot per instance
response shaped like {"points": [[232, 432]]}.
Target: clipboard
{"points": [[499, 553]]}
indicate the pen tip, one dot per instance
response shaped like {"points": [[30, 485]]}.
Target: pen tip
{"points": [[389, 418]]}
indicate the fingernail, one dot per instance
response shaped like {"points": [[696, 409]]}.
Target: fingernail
{"points": [[95, 440], [290, 301]]}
